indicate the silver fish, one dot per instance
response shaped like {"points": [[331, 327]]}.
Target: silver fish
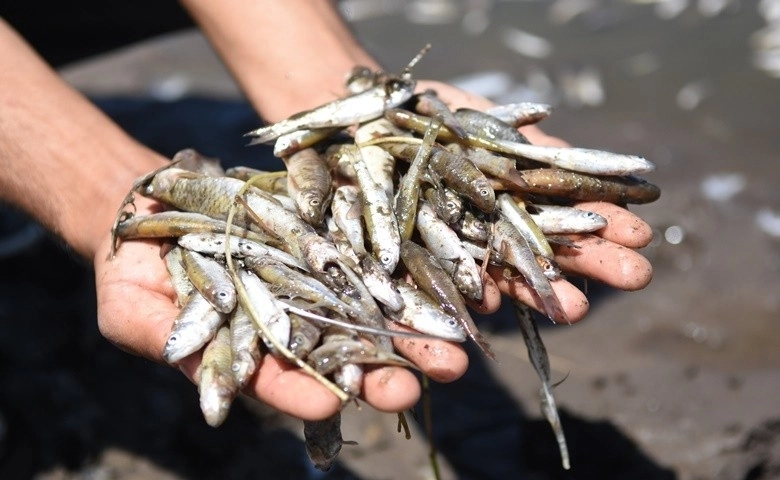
{"points": [[309, 185], [181, 282], [195, 325], [296, 141], [434, 280], [533, 235], [287, 282], [217, 386], [514, 250], [346, 210], [211, 279], [244, 339], [556, 219], [445, 245], [272, 313], [378, 213], [585, 160], [379, 283], [537, 353], [214, 244], [421, 313], [350, 110]]}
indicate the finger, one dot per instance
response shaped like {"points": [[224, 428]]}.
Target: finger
{"points": [[605, 261], [623, 227], [391, 389], [573, 301], [536, 136], [290, 390], [442, 361], [491, 297]]}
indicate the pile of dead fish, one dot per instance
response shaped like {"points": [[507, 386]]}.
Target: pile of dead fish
{"points": [[312, 263]]}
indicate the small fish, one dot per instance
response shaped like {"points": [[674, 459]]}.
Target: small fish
{"points": [[356, 108], [447, 204], [323, 440], [537, 353], [578, 186], [211, 279], [194, 326], [423, 314], [330, 356], [378, 214], [457, 171], [445, 245], [244, 339], [272, 313], [214, 244], [309, 185], [514, 250], [429, 104], [171, 224], [471, 227], [304, 334], [346, 210], [533, 235], [181, 282], [482, 125], [380, 284], [583, 160], [596, 162], [522, 113], [405, 202], [217, 386], [433, 280], [298, 140], [556, 219], [290, 283]]}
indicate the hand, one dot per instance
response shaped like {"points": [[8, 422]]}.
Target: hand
{"points": [[136, 308], [606, 255]]}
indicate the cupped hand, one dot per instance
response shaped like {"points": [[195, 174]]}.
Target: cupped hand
{"points": [[136, 304], [136, 309], [607, 255]]}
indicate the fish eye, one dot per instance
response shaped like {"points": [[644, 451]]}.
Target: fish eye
{"points": [[172, 339], [222, 294], [314, 202], [484, 192], [235, 367]]}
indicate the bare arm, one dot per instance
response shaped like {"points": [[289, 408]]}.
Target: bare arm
{"points": [[62, 160], [287, 55]]}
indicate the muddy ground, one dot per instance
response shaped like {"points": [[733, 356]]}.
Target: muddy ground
{"points": [[676, 381]]}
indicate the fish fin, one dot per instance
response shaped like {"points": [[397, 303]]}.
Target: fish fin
{"points": [[356, 210]]}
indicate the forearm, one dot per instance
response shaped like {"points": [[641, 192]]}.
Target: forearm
{"points": [[61, 159], [287, 55]]}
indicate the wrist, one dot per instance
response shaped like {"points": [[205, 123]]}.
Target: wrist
{"points": [[88, 219]]}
